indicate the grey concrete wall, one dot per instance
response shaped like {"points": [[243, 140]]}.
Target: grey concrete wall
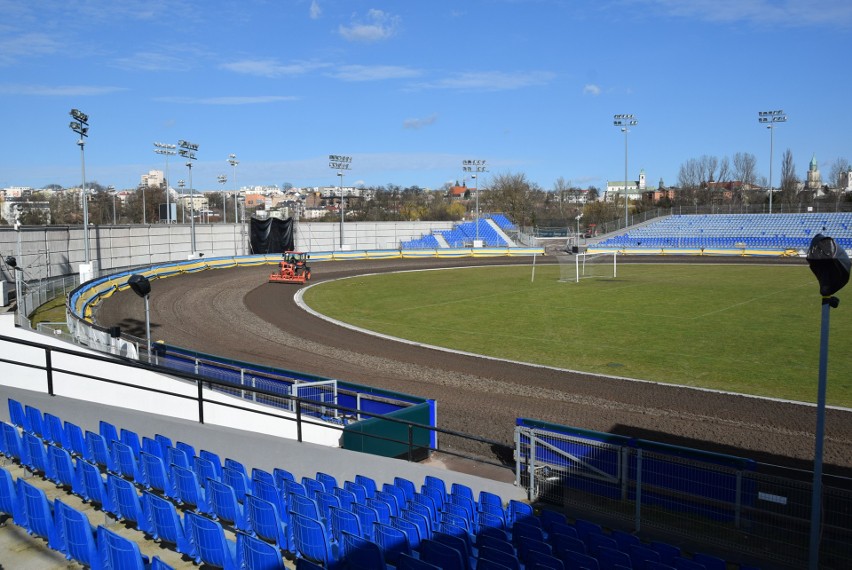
{"points": [[52, 251]]}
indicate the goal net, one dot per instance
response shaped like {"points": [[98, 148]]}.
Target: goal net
{"points": [[587, 266]]}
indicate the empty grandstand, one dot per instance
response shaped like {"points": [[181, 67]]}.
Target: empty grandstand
{"points": [[492, 230], [769, 232]]}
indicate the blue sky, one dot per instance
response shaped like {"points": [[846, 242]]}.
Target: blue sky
{"points": [[410, 89]]}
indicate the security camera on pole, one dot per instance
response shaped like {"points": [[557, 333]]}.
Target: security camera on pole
{"points": [[340, 163], [475, 166]]}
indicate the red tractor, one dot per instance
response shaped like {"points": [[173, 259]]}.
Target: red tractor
{"points": [[292, 269]]}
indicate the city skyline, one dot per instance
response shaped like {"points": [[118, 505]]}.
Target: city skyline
{"points": [[410, 91]]}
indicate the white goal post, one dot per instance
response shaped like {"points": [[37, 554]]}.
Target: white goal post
{"points": [[590, 266]]}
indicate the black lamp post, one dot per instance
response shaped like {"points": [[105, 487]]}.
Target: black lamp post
{"points": [[831, 265], [142, 287]]}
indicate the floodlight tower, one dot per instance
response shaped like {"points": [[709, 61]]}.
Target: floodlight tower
{"points": [[187, 151], [770, 119], [222, 179], [80, 125], [232, 160], [623, 121], [166, 150]]}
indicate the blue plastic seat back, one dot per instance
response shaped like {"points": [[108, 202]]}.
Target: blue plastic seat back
{"points": [[594, 542], [426, 502], [255, 554], [401, 500], [346, 498], [382, 508], [263, 476], [14, 445], [205, 469], [574, 559], [396, 503], [460, 490], [549, 518], [668, 552], [35, 420], [435, 483], [189, 490], [164, 441], [158, 564], [521, 531], [100, 451], [76, 535], [128, 505], [459, 541], [441, 555], [311, 540], [264, 519], [368, 483], [64, 469], [585, 528], [526, 547], [327, 481], [304, 506], [188, 449], [223, 499], [392, 542], [108, 431], [341, 520], [238, 480], [293, 488], [709, 561], [234, 464], [131, 438], [37, 456], [211, 546], [358, 490], [126, 463], [361, 554], [563, 543], [366, 516], [520, 512], [17, 415], [624, 539], [411, 530], [214, 459], [178, 457], [154, 447], [436, 495], [610, 557], [55, 431], [407, 487], [305, 564], [282, 475], [411, 563], [640, 554], [118, 552], [77, 441], [449, 519], [419, 518], [156, 476], [495, 544], [324, 502], [488, 564], [312, 486], [491, 556], [10, 503], [543, 560], [38, 514], [94, 486], [494, 532], [167, 524], [489, 519], [271, 493]]}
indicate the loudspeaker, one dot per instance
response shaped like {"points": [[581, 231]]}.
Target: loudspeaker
{"points": [[830, 263], [140, 284]]}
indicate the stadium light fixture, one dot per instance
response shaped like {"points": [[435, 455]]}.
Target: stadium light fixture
{"points": [[142, 287], [770, 119], [80, 125], [477, 166], [166, 150], [830, 263], [232, 160], [623, 121], [187, 151], [340, 163]]}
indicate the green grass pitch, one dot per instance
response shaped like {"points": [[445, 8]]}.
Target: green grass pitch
{"points": [[742, 328]]}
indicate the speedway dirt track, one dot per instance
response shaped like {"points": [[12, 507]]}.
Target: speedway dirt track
{"points": [[235, 313]]}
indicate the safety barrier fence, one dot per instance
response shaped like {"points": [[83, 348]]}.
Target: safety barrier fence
{"points": [[730, 502]]}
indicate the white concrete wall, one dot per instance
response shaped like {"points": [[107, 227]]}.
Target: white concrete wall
{"points": [[19, 372]]}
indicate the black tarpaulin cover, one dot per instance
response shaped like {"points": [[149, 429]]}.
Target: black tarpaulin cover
{"points": [[271, 235]]}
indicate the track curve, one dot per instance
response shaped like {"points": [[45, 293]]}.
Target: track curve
{"points": [[235, 313]]}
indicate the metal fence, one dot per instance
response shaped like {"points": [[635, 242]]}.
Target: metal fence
{"points": [[744, 507]]}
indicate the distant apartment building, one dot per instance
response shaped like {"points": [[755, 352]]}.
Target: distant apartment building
{"points": [[154, 179]]}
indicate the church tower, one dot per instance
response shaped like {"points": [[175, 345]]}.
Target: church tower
{"points": [[814, 181]]}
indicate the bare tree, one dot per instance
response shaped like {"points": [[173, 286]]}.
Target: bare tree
{"points": [[789, 180], [512, 195], [745, 168], [838, 172]]}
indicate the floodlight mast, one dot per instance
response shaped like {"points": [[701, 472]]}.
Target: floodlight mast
{"points": [[232, 160], [340, 163], [166, 150], [477, 166], [770, 119], [623, 121], [187, 151], [80, 125], [222, 178]]}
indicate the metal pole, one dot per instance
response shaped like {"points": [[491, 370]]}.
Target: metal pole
{"points": [[191, 209], [625, 178], [144, 216], [85, 202], [476, 190], [342, 208], [148, 326], [816, 497], [771, 148], [168, 206]]}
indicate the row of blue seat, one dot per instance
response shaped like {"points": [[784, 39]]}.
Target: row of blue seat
{"points": [[464, 233], [317, 519]]}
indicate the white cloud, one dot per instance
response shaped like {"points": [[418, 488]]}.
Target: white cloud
{"points": [[152, 61], [315, 10], [14, 48], [271, 68], [378, 25], [420, 123], [374, 72], [234, 100], [591, 89], [59, 90], [490, 81], [788, 13]]}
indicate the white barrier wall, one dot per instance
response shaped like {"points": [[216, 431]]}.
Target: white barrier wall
{"points": [[51, 251], [71, 378]]}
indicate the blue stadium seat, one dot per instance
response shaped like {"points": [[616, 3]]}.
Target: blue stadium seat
{"points": [[341, 520], [441, 555], [63, 468], [36, 457], [346, 498], [37, 514], [128, 505], [100, 452], [492, 558], [131, 439], [167, 525], [328, 482], [211, 546], [118, 552], [367, 516], [175, 456], [361, 554], [156, 475], [238, 480], [18, 416], [15, 448], [189, 491], [255, 554], [411, 530], [419, 519], [312, 542], [223, 499], [77, 537], [267, 521], [709, 561], [411, 563], [10, 504], [368, 483], [205, 469], [94, 487], [392, 542], [35, 421], [407, 487], [126, 463], [108, 431], [612, 558], [55, 431], [640, 554]]}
